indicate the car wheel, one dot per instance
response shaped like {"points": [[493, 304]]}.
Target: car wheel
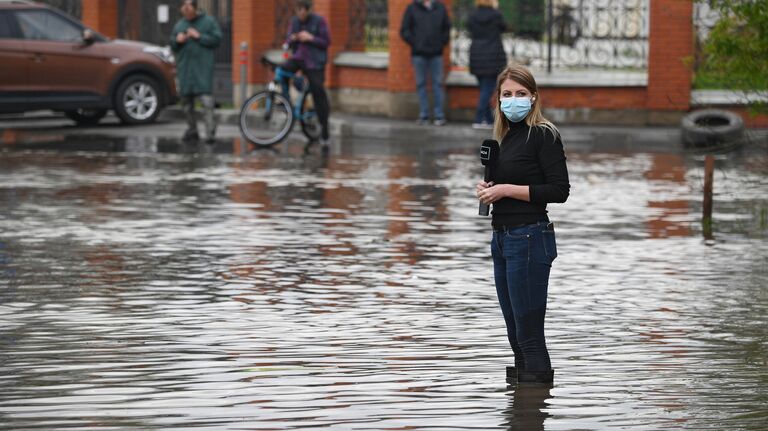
{"points": [[86, 117], [137, 100]]}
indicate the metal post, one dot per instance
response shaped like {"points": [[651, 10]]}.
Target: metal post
{"points": [[549, 35], [706, 221], [243, 72]]}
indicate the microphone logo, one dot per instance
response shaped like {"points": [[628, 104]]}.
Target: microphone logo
{"points": [[489, 155]]}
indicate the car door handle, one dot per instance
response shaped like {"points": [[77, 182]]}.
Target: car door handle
{"points": [[38, 58]]}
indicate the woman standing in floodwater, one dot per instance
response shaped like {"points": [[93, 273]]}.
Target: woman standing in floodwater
{"points": [[531, 172]]}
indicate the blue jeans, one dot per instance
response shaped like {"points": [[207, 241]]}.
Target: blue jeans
{"points": [[522, 258], [487, 84], [434, 67]]}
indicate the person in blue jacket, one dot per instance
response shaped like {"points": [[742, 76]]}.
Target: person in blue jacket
{"points": [[426, 28]]}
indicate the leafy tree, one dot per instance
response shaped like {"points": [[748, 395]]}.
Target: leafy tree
{"points": [[736, 51]]}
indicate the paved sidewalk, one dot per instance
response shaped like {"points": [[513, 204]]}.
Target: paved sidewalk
{"points": [[368, 134], [358, 127]]}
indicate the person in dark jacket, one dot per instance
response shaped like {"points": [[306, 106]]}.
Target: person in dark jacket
{"points": [[486, 56], [530, 173], [308, 39], [193, 41], [426, 28]]}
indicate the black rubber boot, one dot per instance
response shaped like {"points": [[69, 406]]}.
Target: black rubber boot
{"points": [[535, 376]]}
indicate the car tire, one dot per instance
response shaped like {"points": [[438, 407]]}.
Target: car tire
{"points": [[86, 117], [711, 127], [138, 100]]}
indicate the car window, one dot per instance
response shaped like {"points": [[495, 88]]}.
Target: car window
{"points": [[6, 31], [45, 25]]}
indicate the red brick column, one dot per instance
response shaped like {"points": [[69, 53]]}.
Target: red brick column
{"points": [[400, 74], [336, 13], [101, 15], [670, 45], [252, 22]]}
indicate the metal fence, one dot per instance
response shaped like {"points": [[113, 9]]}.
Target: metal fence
{"points": [[368, 22], [704, 19], [564, 34], [139, 20]]}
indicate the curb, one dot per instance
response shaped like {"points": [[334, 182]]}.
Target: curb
{"points": [[361, 127]]}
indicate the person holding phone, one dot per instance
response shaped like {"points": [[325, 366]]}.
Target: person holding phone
{"points": [[193, 41], [530, 173], [308, 40]]}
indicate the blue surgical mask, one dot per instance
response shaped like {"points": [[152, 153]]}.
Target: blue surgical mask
{"points": [[515, 108]]}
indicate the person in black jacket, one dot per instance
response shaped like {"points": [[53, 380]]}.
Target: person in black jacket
{"points": [[486, 56], [426, 28], [530, 173]]}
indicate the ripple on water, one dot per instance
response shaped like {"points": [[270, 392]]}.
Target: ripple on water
{"points": [[272, 292]]}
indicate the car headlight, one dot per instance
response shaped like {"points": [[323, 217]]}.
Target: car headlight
{"points": [[163, 53]]}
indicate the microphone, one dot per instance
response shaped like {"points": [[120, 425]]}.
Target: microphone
{"points": [[489, 156]]}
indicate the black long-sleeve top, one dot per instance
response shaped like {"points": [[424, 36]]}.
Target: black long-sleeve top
{"points": [[536, 160]]}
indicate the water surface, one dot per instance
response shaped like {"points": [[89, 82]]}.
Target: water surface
{"points": [[155, 288]]}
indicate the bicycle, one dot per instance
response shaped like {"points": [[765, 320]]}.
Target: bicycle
{"points": [[268, 116]]}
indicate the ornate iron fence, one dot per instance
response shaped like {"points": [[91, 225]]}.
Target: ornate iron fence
{"points": [[565, 34], [368, 23], [139, 21], [704, 19]]}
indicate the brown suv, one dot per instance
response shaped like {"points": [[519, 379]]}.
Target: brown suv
{"points": [[49, 60]]}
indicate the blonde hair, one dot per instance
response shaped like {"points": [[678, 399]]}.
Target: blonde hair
{"points": [[521, 75], [486, 3]]}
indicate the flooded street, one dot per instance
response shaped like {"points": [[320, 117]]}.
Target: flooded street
{"points": [[148, 286]]}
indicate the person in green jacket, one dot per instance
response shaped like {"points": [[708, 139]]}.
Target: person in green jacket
{"points": [[193, 41]]}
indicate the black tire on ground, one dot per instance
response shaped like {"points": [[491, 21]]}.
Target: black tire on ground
{"points": [[137, 100], [711, 127], [86, 117]]}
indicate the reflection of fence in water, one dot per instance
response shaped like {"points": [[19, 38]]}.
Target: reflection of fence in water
{"points": [[584, 33]]}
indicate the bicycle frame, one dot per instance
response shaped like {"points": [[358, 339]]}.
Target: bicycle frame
{"points": [[281, 80]]}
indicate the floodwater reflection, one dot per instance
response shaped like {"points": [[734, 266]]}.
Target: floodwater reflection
{"points": [[147, 286]]}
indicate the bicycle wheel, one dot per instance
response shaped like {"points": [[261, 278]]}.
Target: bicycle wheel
{"points": [[266, 118], [310, 122]]}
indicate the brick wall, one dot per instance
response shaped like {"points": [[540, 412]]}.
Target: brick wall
{"points": [[250, 24], [670, 44], [101, 15]]}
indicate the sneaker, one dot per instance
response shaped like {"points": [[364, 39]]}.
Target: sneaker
{"points": [[422, 121], [482, 126], [439, 122]]}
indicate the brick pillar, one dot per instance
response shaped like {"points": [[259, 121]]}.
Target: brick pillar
{"points": [[101, 15], [670, 44], [252, 22], [336, 13], [400, 73]]}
